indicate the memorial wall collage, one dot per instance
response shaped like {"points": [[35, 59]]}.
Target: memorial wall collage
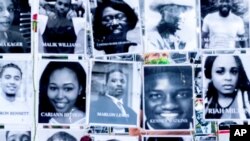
{"points": [[123, 70]]}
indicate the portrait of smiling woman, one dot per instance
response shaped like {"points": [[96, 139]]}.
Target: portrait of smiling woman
{"points": [[168, 97], [227, 96], [62, 93]]}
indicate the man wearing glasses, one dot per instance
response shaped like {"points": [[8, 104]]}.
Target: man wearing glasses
{"points": [[112, 20]]}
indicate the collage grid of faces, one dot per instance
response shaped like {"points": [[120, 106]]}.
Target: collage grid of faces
{"points": [[119, 70]]}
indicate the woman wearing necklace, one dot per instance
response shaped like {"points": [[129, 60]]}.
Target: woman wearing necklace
{"points": [[62, 93], [228, 89]]}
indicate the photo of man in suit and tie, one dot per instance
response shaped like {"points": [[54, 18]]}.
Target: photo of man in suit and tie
{"points": [[202, 126], [111, 105]]}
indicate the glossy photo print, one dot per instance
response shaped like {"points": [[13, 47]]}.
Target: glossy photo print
{"points": [[115, 94], [116, 27], [62, 92], [15, 26], [170, 25], [168, 97], [16, 99], [226, 87], [62, 26], [224, 24]]}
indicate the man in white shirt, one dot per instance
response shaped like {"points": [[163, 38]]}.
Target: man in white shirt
{"points": [[223, 29], [11, 108]]}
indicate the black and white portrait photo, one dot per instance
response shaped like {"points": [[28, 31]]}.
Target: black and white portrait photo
{"points": [[62, 92], [198, 82], [168, 97], [168, 138], [15, 27], [170, 25], [16, 93], [115, 94], [116, 27], [224, 24], [226, 86], [61, 27], [15, 135]]}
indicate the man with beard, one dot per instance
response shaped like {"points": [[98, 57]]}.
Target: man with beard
{"points": [[110, 107], [112, 21], [163, 36], [223, 29]]}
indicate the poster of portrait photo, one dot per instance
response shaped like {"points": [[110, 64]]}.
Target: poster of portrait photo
{"points": [[116, 27], [16, 92], [168, 97], [226, 87], [61, 135], [113, 138], [170, 25], [16, 135], [62, 26], [15, 27], [224, 24], [168, 138], [62, 92], [114, 97]]}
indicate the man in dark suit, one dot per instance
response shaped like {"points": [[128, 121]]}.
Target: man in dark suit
{"points": [[109, 108]]}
